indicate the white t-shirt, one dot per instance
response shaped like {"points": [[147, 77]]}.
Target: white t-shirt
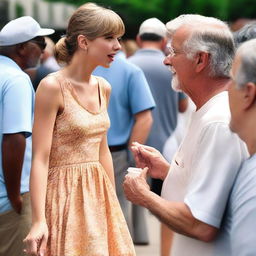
{"points": [[203, 171]]}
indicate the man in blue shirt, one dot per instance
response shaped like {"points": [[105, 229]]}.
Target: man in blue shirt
{"points": [[21, 45], [238, 236], [129, 110]]}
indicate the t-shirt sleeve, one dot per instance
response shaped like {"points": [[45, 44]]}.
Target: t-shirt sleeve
{"points": [[243, 210], [17, 107], [214, 168], [140, 96]]}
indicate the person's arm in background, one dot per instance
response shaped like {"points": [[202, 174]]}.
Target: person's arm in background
{"points": [[141, 128], [141, 104], [13, 148], [16, 126]]}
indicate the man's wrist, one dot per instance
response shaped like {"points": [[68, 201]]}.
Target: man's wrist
{"points": [[147, 199], [166, 171]]}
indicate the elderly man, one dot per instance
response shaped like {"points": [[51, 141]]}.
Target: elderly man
{"points": [[198, 181], [238, 227], [152, 41], [21, 45]]}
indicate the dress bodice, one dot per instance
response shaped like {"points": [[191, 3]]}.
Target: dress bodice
{"points": [[78, 132]]}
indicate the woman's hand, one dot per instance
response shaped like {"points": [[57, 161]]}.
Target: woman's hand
{"points": [[36, 240]]}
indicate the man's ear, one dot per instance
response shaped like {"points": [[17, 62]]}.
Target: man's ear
{"points": [[138, 41], [21, 49], [163, 43], [202, 61], [82, 42], [249, 95]]}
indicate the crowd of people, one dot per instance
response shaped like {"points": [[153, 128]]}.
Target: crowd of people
{"points": [[65, 150]]}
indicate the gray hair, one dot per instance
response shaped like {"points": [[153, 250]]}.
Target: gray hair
{"points": [[247, 69], [247, 32], [209, 35]]}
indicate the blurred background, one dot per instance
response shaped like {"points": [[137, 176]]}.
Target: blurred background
{"points": [[55, 13]]}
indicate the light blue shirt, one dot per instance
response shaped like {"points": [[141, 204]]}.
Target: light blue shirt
{"points": [[159, 79], [16, 115], [238, 230], [130, 95]]}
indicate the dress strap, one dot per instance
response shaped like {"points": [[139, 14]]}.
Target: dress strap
{"points": [[103, 86], [63, 87]]}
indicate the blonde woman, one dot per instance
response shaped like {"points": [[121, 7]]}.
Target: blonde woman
{"points": [[74, 206]]}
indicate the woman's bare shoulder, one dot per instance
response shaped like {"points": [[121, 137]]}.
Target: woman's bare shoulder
{"points": [[50, 85]]}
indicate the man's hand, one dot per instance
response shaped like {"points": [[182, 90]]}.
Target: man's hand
{"points": [[146, 156], [136, 187]]}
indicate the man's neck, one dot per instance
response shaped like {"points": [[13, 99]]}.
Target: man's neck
{"points": [[247, 132], [207, 90], [151, 45]]}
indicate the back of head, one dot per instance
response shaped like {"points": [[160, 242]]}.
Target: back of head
{"points": [[246, 33], [207, 34], [130, 47], [92, 21], [21, 30], [16, 34], [152, 30], [246, 72], [50, 45]]}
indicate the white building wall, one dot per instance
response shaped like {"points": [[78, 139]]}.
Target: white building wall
{"points": [[54, 15]]}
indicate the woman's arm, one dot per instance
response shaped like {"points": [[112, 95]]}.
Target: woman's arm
{"points": [[106, 160], [48, 103], [105, 155]]}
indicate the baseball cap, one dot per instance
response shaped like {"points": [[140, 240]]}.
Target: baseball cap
{"points": [[21, 30], [153, 26]]}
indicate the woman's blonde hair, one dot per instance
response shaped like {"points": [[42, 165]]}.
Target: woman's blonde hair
{"points": [[91, 21]]}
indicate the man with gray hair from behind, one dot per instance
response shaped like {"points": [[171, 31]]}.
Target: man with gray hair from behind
{"points": [[238, 225], [247, 32], [200, 177]]}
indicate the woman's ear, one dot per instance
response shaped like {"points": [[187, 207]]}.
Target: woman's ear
{"points": [[249, 95], [82, 42], [202, 61]]}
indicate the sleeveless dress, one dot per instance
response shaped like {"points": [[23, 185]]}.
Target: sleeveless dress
{"points": [[82, 211]]}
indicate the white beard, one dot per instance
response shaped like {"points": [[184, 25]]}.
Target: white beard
{"points": [[176, 83]]}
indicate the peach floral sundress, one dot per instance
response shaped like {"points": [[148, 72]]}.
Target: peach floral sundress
{"points": [[82, 211]]}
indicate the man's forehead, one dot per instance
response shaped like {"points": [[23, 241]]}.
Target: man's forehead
{"points": [[188, 29]]}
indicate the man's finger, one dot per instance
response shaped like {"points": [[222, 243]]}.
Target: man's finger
{"points": [[144, 173], [146, 153], [139, 146]]}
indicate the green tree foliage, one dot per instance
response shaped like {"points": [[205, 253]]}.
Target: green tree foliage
{"points": [[134, 12]]}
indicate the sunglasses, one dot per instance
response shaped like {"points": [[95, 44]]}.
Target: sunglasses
{"points": [[41, 43]]}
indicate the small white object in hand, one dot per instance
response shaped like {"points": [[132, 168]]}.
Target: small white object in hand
{"points": [[134, 172]]}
